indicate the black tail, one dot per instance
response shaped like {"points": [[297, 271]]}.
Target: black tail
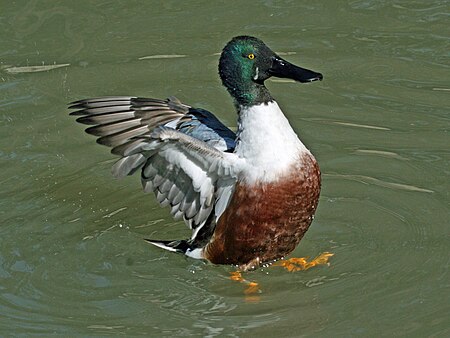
{"points": [[180, 246]]}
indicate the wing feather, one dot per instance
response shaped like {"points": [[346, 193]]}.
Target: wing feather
{"points": [[182, 163]]}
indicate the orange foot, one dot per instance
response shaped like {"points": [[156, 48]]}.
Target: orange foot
{"points": [[252, 287], [291, 264], [297, 264]]}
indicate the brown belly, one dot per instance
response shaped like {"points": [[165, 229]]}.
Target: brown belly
{"points": [[266, 222]]}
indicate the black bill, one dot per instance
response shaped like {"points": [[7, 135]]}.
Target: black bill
{"points": [[284, 69]]}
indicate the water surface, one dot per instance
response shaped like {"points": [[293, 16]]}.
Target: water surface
{"points": [[72, 258]]}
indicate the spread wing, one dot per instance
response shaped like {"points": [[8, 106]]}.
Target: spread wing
{"points": [[184, 154]]}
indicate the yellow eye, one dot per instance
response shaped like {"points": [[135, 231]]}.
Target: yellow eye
{"points": [[251, 56]]}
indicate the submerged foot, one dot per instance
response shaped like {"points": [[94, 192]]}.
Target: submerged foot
{"points": [[252, 287], [292, 264]]}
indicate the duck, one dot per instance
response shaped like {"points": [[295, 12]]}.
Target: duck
{"points": [[248, 196]]}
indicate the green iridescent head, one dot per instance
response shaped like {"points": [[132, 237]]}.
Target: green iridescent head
{"points": [[246, 62]]}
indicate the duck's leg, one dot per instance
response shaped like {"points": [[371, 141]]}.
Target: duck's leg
{"points": [[297, 264], [252, 287], [291, 264]]}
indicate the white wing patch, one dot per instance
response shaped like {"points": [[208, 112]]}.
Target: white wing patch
{"points": [[184, 173]]}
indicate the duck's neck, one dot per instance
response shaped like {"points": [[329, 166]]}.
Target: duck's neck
{"points": [[267, 142], [248, 93]]}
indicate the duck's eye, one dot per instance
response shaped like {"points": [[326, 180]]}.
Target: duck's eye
{"points": [[251, 56]]}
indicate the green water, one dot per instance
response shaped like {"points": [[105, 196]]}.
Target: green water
{"points": [[72, 258]]}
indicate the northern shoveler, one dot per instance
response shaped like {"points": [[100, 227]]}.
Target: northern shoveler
{"points": [[249, 196]]}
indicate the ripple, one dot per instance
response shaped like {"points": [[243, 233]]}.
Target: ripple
{"points": [[32, 69], [381, 183]]}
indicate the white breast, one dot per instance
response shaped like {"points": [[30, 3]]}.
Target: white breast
{"points": [[267, 143]]}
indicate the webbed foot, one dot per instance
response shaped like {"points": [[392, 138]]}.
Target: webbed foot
{"points": [[298, 264], [252, 287]]}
